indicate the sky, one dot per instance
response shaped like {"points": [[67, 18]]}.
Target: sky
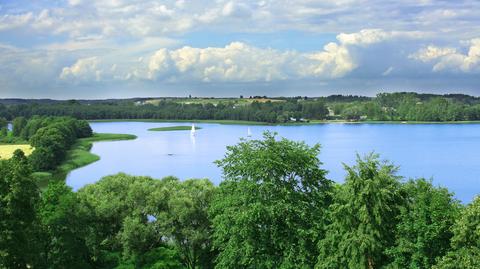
{"points": [[138, 48]]}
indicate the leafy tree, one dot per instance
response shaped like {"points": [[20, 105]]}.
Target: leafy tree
{"points": [[63, 228], [465, 251], [3, 127], [363, 216], [83, 129], [18, 124], [424, 230], [269, 210], [18, 223], [158, 258], [116, 212], [134, 215], [186, 219]]}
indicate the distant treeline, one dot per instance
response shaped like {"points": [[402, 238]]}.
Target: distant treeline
{"points": [[275, 209], [402, 106]]}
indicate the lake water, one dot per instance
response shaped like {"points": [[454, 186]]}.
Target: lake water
{"points": [[447, 153]]}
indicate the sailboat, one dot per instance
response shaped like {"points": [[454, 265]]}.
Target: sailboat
{"points": [[192, 132], [249, 132]]}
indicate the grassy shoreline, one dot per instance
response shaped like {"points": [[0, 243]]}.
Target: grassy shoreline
{"points": [[242, 122], [173, 128], [78, 156]]}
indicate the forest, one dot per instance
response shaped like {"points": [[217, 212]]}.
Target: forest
{"points": [[401, 106], [276, 208]]}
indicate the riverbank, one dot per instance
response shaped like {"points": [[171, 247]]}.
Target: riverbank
{"points": [[173, 128], [79, 155]]}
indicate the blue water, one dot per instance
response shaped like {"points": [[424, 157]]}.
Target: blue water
{"points": [[447, 153]]}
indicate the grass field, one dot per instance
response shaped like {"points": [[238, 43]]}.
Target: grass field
{"points": [[6, 151], [174, 128]]}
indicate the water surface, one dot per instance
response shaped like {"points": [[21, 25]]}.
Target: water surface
{"points": [[447, 153]]}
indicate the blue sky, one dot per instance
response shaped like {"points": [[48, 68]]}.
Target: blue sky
{"points": [[126, 48]]}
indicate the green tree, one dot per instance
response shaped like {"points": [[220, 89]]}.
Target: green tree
{"points": [[3, 127], [18, 223], [131, 216], [269, 210], [63, 228], [424, 230], [465, 243], [186, 220], [83, 129], [19, 124], [363, 216]]}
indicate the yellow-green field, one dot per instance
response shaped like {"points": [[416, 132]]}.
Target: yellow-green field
{"points": [[6, 151]]}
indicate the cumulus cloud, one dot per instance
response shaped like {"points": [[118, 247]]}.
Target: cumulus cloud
{"points": [[431, 53], [85, 69], [241, 62], [451, 59]]}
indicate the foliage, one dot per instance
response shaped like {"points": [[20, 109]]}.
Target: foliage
{"points": [[363, 216], [18, 222], [400, 106], [465, 251], [135, 215], [63, 228], [424, 229], [51, 137], [275, 209], [269, 210]]}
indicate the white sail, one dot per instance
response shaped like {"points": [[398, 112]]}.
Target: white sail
{"points": [[249, 132], [192, 132]]}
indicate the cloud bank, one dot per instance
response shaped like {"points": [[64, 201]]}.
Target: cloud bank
{"points": [[49, 48]]}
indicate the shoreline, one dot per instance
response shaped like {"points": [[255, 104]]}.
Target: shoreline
{"points": [[243, 122], [78, 156]]}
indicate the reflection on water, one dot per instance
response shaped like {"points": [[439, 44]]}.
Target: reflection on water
{"points": [[448, 153]]}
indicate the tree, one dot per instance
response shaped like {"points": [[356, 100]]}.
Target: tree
{"points": [[362, 216], [186, 219], [116, 212], [19, 124], [465, 243], [63, 228], [424, 230], [83, 129], [131, 216], [18, 223], [268, 212], [3, 127]]}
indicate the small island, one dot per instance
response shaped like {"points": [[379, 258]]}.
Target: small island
{"points": [[173, 128]]}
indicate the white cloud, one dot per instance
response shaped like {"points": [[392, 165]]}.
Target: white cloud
{"points": [[431, 53], [85, 69], [451, 59], [11, 21], [243, 63], [240, 62], [367, 37]]}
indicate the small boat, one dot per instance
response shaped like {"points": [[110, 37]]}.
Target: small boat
{"points": [[192, 132], [249, 132]]}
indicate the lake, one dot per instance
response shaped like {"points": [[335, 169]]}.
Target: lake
{"points": [[447, 153]]}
